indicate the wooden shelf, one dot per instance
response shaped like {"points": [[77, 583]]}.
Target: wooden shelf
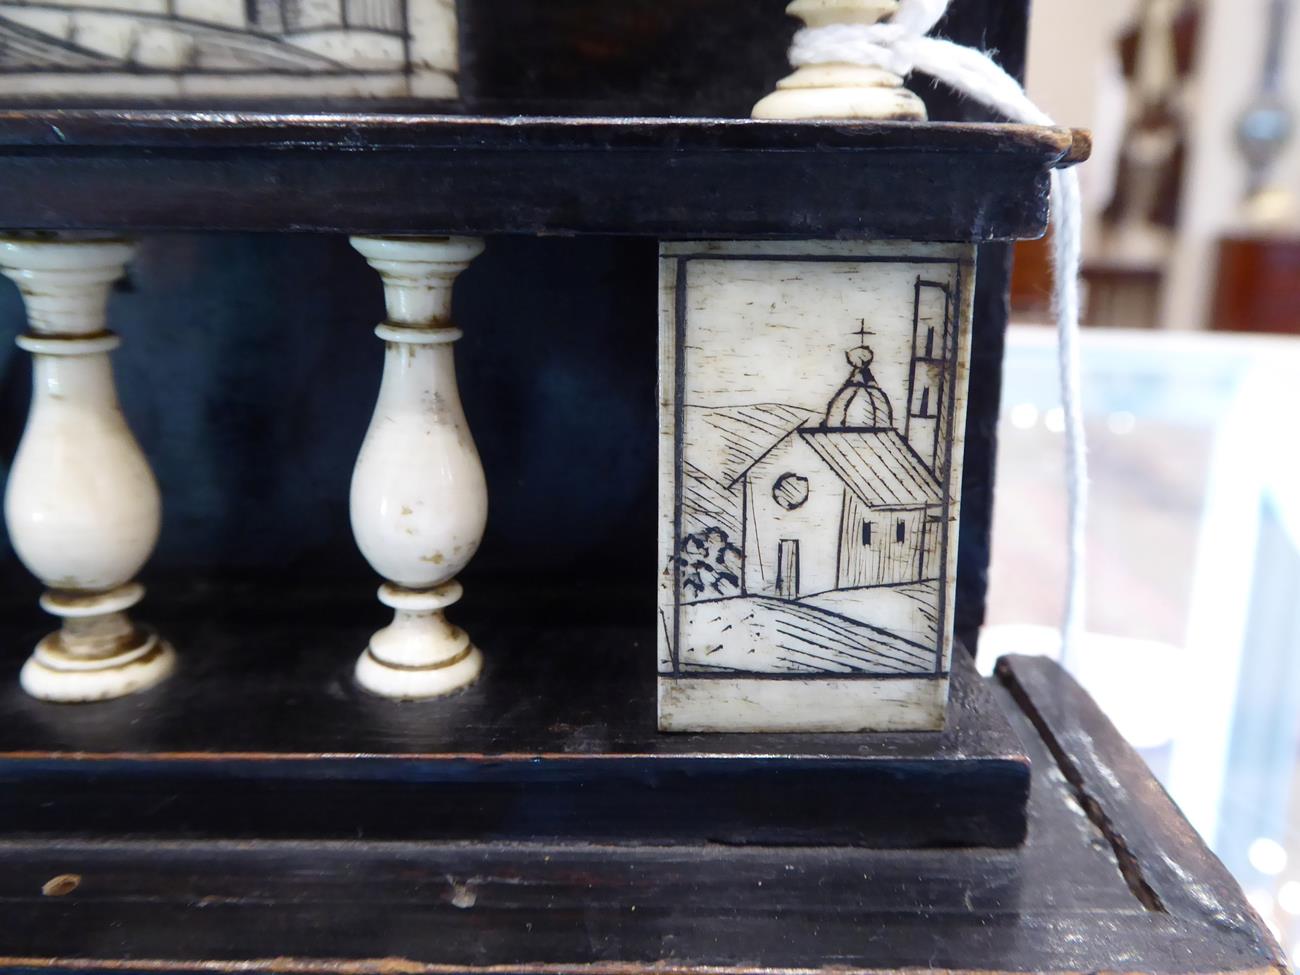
{"points": [[263, 733], [662, 177], [1110, 878]]}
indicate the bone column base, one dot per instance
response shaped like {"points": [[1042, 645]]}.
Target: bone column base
{"points": [[419, 654], [841, 90], [419, 498], [82, 506], [99, 653]]}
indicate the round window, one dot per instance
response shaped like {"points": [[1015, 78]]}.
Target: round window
{"points": [[790, 491]]}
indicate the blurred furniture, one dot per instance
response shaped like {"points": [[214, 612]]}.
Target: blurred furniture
{"points": [[1258, 287], [1256, 284], [1123, 295], [1157, 55]]}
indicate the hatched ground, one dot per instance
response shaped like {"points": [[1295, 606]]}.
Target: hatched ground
{"points": [[764, 635]]}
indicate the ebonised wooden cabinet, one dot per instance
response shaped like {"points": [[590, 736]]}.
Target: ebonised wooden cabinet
{"points": [[260, 815]]}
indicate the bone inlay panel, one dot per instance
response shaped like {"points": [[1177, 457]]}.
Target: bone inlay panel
{"points": [[262, 49], [812, 398]]}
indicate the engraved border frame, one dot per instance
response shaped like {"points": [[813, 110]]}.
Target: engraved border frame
{"points": [[961, 258]]}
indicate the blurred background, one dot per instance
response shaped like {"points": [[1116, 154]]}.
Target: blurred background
{"points": [[1191, 382]]}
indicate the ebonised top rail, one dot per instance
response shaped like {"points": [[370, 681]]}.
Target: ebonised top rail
{"points": [[393, 173]]}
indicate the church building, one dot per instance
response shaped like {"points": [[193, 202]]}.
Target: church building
{"points": [[839, 508]]}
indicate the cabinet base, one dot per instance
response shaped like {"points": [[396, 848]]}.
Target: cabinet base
{"points": [[264, 733]]}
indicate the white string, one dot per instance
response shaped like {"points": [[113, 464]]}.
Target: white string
{"points": [[899, 45]]}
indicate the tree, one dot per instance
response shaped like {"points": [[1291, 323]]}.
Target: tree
{"points": [[710, 565]]}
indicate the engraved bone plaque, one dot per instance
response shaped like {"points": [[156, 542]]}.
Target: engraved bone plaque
{"points": [[256, 49], [812, 403]]}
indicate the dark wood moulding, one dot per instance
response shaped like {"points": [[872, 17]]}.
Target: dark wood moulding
{"points": [[1111, 878], [661, 177], [263, 734]]}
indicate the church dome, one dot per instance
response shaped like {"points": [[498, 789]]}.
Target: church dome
{"points": [[860, 403], [860, 407]]}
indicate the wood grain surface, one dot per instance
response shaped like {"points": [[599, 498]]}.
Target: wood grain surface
{"points": [[1061, 903], [674, 177], [263, 733]]}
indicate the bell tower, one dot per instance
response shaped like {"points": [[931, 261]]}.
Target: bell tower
{"points": [[925, 425]]}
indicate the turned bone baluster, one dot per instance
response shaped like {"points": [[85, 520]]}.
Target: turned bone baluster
{"points": [[419, 498], [841, 90], [82, 506]]}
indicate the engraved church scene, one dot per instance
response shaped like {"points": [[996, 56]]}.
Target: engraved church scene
{"points": [[811, 524]]}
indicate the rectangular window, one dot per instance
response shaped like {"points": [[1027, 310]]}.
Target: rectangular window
{"points": [[899, 530], [925, 402], [866, 533]]}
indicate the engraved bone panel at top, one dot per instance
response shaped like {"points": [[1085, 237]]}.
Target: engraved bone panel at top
{"points": [[812, 403], [260, 49]]}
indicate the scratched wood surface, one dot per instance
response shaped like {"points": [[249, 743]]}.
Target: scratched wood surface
{"points": [[262, 733], [1111, 878], [695, 177]]}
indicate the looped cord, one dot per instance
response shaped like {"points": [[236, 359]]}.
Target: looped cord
{"points": [[899, 45], [877, 45]]}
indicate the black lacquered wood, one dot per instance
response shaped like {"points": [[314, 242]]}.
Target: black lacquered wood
{"points": [[675, 57], [1064, 902], [264, 734], [683, 177], [272, 492]]}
